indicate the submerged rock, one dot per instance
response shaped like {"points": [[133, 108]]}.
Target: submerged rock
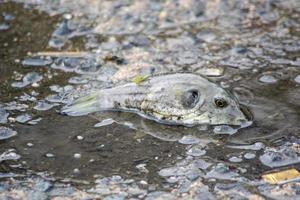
{"points": [[268, 79], [36, 62], [23, 118], [3, 115], [286, 154], [42, 106], [6, 133], [9, 155], [30, 78]]}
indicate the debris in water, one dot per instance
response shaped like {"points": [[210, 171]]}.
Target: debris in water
{"points": [[256, 146], [30, 78], [63, 54], [139, 79], [6, 133], [105, 122], [211, 71], [35, 121], [36, 62], [282, 176]]}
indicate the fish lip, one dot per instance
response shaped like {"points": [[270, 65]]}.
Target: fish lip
{"points": [[246, 112]]}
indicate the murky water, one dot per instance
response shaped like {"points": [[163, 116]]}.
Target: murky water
{"points": [[54, 52]]}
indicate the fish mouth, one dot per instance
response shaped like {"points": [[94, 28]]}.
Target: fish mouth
{"points": [[247, 113]]}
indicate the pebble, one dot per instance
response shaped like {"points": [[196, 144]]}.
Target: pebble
{"points": [[142, 168], [249, 155], [235, 159], [196, 151], [268, 79], [23, 118], [49, 155], [30, 144], [77, 155], [79, 137], [224, 129], [189, 139], [76, 171]]}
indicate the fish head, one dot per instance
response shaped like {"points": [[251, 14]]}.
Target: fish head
{"points": [[221, 107], [192, 101]]}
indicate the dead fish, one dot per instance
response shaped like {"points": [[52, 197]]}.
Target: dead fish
{"points": [[180, 99]]}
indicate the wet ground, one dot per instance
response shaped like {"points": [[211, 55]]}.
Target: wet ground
{"points": [[53, 52]]}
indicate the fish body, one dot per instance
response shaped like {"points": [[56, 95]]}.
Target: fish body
{"points": [[181, 98]]}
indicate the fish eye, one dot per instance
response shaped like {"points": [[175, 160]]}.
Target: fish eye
{"points": [[221, 103], [190, 98]]}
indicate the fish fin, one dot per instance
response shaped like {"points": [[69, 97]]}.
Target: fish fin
{"points": [[83, 105]]}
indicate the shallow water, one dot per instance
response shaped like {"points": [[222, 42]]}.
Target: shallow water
{"points": [[56, 51]]}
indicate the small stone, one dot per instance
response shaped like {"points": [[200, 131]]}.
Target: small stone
{"points": [[249, 155], [268, 79], [23, 118], [196, 151], [30, 144], [224, 129], [189, 139], [35, 85], [235, 159], [142, 168], [49, 155], [79, 137], [76, 171], [77, 155]]}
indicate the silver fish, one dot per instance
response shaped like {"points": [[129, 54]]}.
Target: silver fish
{"points": [[182, 98]]}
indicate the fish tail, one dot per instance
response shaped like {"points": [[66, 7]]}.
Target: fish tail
{"points": [[83, 105]]}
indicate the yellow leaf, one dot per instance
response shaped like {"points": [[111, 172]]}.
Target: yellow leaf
{"points": [[139, 79], [282, 176]]}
